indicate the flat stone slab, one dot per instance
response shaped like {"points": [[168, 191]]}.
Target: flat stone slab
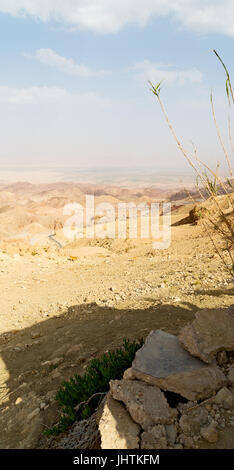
{"points": [[211, 331], [163, 362], [117, 429], [146, 404]]}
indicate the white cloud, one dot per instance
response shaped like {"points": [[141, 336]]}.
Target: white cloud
{"points": [[34, 95], [68, 66], [107, 16], [47, 95], [157, 73]]}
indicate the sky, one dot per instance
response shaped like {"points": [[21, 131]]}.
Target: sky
{"points": [[74, 81]]}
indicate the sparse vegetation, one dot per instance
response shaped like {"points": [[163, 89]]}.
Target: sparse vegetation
{"points": [[80, 396], [218, 223], [34, 253]]}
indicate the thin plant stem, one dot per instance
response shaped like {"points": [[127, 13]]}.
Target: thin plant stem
{"points": [[219, 135]]}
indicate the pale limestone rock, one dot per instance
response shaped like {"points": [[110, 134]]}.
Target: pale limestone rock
{"points": [[146, 404], [128, 374], [211, 331], [210, 433], [225, 398], [187, 441], [33, 414], [191, 422], [171, 433], [163, 362], [154, 438], [18, 401], [116, 427]]}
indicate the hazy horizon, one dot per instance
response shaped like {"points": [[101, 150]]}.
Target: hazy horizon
{"points": [[120, 176]]}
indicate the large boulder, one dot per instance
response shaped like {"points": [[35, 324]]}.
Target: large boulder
{"points": [[117, 429], [163, 362], [146, 404], [211, 331]]}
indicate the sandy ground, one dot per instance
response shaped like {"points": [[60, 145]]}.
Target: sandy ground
{"points": [[71, 305]]}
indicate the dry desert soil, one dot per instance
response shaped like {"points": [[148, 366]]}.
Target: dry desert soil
{"points": [[61, 307]]}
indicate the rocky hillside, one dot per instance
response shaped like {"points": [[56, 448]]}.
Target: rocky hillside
{"points": [[61, 307]]}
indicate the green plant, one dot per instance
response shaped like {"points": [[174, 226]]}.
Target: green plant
{"points": [[211, 181], [79, 397], [34, 253], [228, 81]]}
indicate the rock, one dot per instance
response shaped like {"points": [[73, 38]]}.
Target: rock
{"points": [[146, 404], [35, 335], [154, 438], [178, 446], [163, 362], [191, 422], [128, 374], [50, 396], [211, 331], [184, 407], [116, 427], [225, 398], [221, 358], [18, 401], [208, 406], [197, 213], [23, 385], [210, 433], [231, 376], [46, 363], [56, 361], [33, 414], [187, 441], [74, 349], [18, 348], [55, 374], [171, 433]]}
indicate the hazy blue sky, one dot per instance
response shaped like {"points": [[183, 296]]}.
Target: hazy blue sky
{"points": [[73, 81]]}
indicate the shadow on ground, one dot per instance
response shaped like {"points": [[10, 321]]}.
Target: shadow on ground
{"points": [[215, 292], [184, 221], [76, 336]]}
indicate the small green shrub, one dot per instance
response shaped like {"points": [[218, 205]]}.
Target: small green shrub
{"points": [[81, 390]]}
